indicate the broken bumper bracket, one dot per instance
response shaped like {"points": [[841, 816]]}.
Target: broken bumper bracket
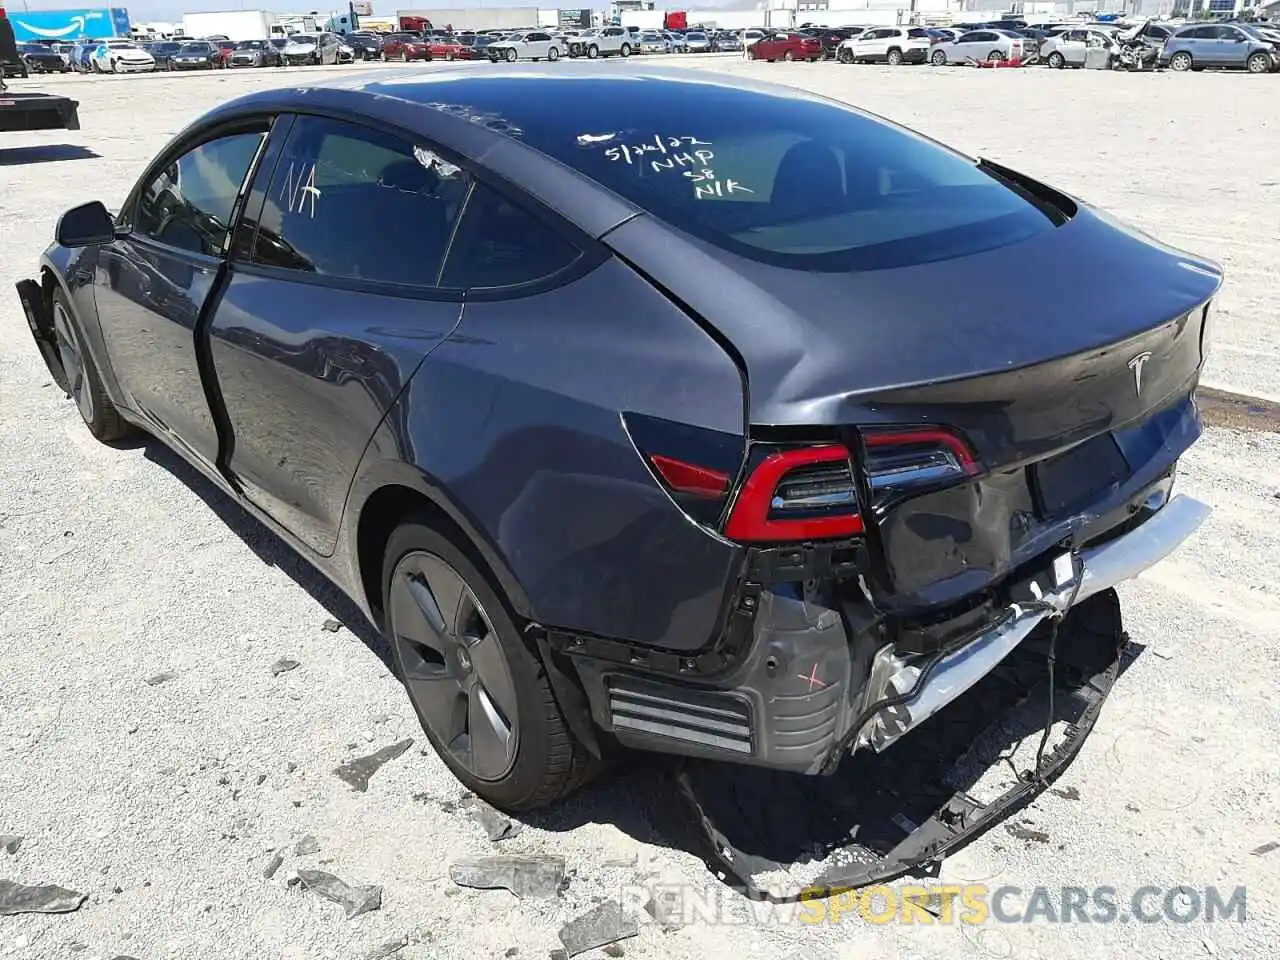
{"points": [[880, 816]]}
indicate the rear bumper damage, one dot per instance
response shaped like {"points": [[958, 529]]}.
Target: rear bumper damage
{"points": [[818, 680]]}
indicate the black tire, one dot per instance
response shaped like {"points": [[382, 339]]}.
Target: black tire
{"points": [[995, 56], [84, 386], [553, 54], [626, 50], [1057, 61], [845, 56], [1258, 63], [789, 56], [512, 56], [894, 57], [547, 762], [1181, 61], [938, 58], [593, 52]]}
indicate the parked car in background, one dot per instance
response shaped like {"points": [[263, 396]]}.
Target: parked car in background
{"points": [[311, 48], [223, 48], [448, 48], [650, 41], [162, 51], [1219, 45], [751, 36], [39, 58], [64, 50], [1068, 48], [727, 42], [196, 55], [405, 47], [675, 41], [368, 46], [993, 45], [891, 45], [529, 45], [122, 56], [602, 42], [830, 38], [785, 45], [696, 41], [255, 53]]}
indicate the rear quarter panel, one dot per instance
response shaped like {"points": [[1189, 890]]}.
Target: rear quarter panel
{"points": [[516, 421]]}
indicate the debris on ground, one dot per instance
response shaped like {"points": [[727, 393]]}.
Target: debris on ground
{"points": [[496, 824], [1261, 851], [163, 677], [614, 950], [18, 898], [358, 771], [529, 878], [10, 843], [306, 846], [274, 864], [607, 923], [284, 665], [1066, 793], [1026, 833], [331, 626], [387, 949], [353, 900]]}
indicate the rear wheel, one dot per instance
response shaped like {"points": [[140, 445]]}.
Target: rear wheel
{"points": [[626, 50], [995, 56], [481, 694], [894, 57], [512, 56], [939, 58], [83, 384], [1181, 61], [845, 56], [1057, 61], [788, 56]]}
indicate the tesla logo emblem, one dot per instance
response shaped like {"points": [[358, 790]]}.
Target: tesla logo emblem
{"points": [[812, 679], [1136, 365]]}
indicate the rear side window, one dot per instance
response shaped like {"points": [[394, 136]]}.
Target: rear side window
{"points": [[499, 244], [358, 204], [796, 183]]}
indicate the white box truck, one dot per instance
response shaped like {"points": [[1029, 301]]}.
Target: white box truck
{"points": [[232, 24]]}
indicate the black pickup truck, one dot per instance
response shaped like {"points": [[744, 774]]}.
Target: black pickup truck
{"points": [[29, 111]]}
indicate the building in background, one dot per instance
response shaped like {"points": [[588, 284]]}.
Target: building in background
{"points": [[84, 23]]}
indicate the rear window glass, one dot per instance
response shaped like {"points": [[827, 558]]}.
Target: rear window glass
{"points": [[792, 182]]}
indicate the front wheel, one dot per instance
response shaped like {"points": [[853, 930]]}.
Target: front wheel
{"points": [[789, 56], [481, 694], [512, 56], [1181, 61], [83, 385], [593, 52], [939, 58], [1258, 63], [626, 50], [1057, 61], [553, 54]]}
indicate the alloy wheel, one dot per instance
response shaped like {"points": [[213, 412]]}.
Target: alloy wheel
{"points": [[72, 356], [454, 665]]}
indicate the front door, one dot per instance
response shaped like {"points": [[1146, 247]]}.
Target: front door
{"points": [[330, 306], [153, 286]]}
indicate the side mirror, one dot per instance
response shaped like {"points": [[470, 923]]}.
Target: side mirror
{"points": [[85, 226]]}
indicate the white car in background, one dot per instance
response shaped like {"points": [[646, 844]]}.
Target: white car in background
{"points": [[121, 56], [993, 45], [750, 38], [533, 45], [602, 42], [891, 45]]}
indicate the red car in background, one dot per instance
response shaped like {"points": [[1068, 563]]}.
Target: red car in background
{"points": [[785, 45], [222, 55], [405, 47], [449, 49]]}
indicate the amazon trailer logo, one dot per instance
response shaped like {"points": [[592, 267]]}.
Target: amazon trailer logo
{"points": [[70, 25], [1136, 365]]}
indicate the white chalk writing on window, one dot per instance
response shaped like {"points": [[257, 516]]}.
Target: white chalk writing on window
{"points": [[657, 144], [297, 190]]}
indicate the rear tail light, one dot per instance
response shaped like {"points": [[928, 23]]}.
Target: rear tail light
{"points": [[809, 493], [694, 465]]}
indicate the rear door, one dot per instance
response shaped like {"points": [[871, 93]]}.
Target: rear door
{"points": [[154, 286], [1072, 46], [331, 303]]}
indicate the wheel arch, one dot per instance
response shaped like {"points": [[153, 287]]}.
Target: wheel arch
{"points": [[390, 493]]}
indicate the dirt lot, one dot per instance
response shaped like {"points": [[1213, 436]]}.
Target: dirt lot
{"points": [[164, 801]]}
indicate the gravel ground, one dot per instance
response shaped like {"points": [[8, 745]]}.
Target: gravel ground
{"points": [[164, 801]]}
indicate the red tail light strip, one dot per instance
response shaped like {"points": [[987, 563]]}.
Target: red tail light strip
{"points": [[690, 478], [750, 522]]}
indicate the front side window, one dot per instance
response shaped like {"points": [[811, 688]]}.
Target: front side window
{"points": [[188, 204], [354, 203]]}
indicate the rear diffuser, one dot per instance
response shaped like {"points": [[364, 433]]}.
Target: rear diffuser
{"points": [[784, 836]]}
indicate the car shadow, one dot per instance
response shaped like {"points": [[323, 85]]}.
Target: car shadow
{"points": [[269, 548], [45, 153]]}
